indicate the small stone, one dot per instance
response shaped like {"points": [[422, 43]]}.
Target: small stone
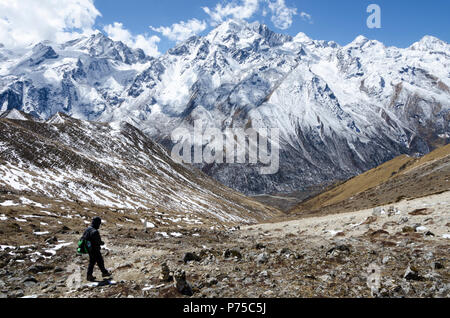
{"points": [[166, 275], [392, 211], [191, 257], [408, 229], [377, 211], [212, 281], [232, 253], [31, 280], [264, 274], [262, 258], [181, 284], [412, 274], [52, 240], [58, 270], [339, 249], [437, 265], [403, 220], [35, 269]]}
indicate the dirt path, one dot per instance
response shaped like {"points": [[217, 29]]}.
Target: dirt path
{"points": [[350, 223]]}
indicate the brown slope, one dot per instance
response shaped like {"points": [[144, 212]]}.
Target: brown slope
{"points": [[400, 178], [113, 168]]}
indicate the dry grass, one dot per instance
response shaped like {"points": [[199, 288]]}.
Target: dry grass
{"points": [[396, 176]]}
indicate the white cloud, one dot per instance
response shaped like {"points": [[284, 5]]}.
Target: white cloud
{"points": [[149, 44], [26, 22], [181, 31], [306, 17], [282, 16], [242, 9]]}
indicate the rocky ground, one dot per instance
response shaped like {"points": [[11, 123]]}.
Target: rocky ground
{"points": [[393, 251]]}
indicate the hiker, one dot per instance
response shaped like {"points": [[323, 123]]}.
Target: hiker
{"points": [[95, 256]]}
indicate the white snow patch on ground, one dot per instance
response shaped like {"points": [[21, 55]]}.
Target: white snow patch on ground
{"points": [[41, 233], [8, 203]]}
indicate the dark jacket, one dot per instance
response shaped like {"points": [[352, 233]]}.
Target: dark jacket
{"points": [[93, 235]]}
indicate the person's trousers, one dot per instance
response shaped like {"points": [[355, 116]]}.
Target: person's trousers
{"points": [[95, 257]]}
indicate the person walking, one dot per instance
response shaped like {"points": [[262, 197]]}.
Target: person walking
{"points": [[92, 235]]}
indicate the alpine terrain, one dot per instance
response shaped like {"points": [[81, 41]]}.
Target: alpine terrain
{"points": [[342, 110], [87, 130]]}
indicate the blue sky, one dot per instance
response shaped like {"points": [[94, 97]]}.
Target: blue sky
{"points": [[403, 21]]}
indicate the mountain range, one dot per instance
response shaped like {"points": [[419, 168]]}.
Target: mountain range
{"points": [[342, 110]]}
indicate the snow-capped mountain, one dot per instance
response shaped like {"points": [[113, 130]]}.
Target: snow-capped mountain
{"points": [[81, 78], [113, 166], [341, 109]]}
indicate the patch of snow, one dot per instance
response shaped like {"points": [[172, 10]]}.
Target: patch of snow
{"points": [[8, 203], [41, 233]]}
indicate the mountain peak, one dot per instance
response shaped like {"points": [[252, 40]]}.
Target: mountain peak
{"points": [[242, 31], [302, 37], [429, 42], [360, 40]]}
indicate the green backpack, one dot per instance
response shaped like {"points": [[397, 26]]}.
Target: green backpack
{"points": [[83, 246]]}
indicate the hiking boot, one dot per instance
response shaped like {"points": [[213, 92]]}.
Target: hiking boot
{"points": [[91, 279], [106, 274]]}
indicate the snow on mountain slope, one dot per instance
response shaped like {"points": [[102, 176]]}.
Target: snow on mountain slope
{"points": [[111, 165], [341, 109], [80, 77]]}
